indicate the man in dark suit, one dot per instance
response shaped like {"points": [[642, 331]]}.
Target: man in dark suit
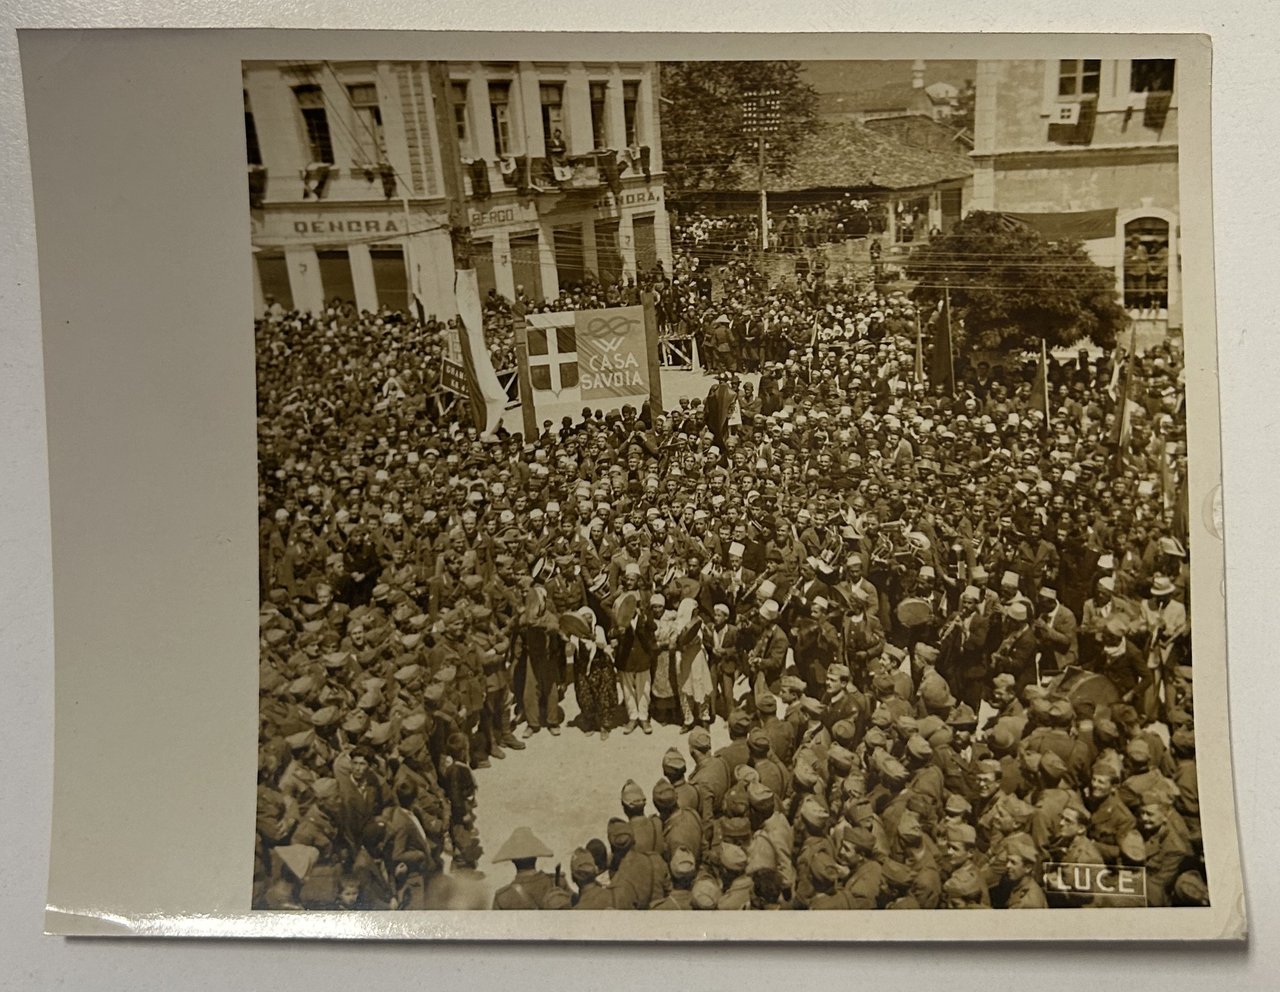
{"points": [[1016, 654], [1055, 628]]}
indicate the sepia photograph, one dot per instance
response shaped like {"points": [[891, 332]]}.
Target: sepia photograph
{"points": [[725, 485]]}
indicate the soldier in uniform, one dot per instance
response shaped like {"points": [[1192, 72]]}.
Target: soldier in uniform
{"points": [[531, 888]]}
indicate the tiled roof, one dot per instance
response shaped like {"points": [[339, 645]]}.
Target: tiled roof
{"points": [[843, 154]]}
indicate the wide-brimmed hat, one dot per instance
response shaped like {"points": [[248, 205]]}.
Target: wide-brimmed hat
{"points": [[522, 844]]}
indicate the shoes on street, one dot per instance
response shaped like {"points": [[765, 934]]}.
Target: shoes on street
{"points": [[497, 752], [630, 727], [530, 731], [646, 726], [604, 735], [554, 731], [482, 763], [514, 742], [685, 727]]}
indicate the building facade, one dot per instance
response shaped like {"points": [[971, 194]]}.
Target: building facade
{"points": [[1088, 148], [562, 178]]}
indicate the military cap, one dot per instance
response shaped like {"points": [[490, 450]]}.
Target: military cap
{"points": [[1138, 751], [892, 770], [935, 694], [841, 671], [413, 744], [620, 833], [682, 865], [875, 738], [434, 692], [882, 683], [733, 857], [805, 774], [1003, 736], [1190, 890], [964, 884], [843, 732], [298, 858], [926, 654], [664, 794], [1021, 845], [758, 741], [673, 761], [325, 788], [303, 685], [906, 725], [919, 748], [699, 739], [759, 796], [1061, 712], [705, 893], [1052, 766], [632, 794], [324, 716], [823, 867], [812, 707], [1183, 741], [1019, 810], [814, 813], [896, 875], [356, 722], [582, 865], [792, 682], [962, 833], [958, 805], [736, 828], [840, 758], [735, 801], [861, 838], [336, 659], [520, 845], [962, 717], [446, 674], [744, 775], [1133, 848]]}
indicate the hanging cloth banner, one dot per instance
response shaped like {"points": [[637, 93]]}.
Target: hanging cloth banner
{"points": [[613, 353]]}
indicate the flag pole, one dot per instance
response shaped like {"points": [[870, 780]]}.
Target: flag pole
{"points": [[951, 368], [1044, 366], [919, 351]]}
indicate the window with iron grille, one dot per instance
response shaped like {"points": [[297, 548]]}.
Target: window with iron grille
{"points": [[316, 122]]}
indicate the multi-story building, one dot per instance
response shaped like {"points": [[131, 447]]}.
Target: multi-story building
{"points": [[562, 177], [1088, 148]]}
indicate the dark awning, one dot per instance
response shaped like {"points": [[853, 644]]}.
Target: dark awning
{"points": [[1084, 225]]}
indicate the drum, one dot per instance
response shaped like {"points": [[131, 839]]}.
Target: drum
{"points": [[625, 609], [1088, 688], [572, 625], [914, 612]]}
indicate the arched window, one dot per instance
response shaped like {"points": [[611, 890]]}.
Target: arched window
{"points": [[1146, 263]]}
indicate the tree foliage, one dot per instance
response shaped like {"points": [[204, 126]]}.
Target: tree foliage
{"points": [[704, 144], [1011, 287]]}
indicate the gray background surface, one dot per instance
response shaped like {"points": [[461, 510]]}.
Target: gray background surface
{"points": [[1246, 117]]}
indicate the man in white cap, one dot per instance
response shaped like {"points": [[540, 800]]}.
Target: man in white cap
{"points": [[769, 653], [721, 640], [1055, 627], [531, 888], [1097, 611], [1016, 654], [636, 654]]}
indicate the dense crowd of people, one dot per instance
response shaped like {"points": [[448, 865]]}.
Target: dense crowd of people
{"points": [[949, 639]]}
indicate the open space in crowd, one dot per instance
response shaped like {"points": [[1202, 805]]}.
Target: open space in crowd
{"points": [[949, 637]]}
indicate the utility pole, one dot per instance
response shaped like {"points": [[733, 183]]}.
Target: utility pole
{"points": [[451, 169], [761, 116]]}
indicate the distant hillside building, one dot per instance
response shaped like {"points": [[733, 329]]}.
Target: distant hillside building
{"points": [[936, 101], [1088, 149]]}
